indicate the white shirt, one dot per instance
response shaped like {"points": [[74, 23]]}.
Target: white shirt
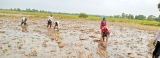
{"points": [[50, 18], [57, 22], [23, 19], [157, 38]]}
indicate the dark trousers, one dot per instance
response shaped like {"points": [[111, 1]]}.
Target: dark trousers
{"points": [[104, 34], [156, 52], [49, 24], [23, 23]]}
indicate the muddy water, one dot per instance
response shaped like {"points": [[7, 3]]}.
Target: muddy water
{"points": [[75, 39]]}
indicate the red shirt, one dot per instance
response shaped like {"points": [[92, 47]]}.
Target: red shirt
{"points": [[103, 23], [105, 29]]}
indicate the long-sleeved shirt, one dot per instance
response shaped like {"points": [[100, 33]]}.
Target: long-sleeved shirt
{"points": [[103, 23], [50, 18], [157, 38], [24, 19], [57, 22]]}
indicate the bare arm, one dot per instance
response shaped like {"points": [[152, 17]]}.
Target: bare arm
{"points": [[101, 25], [157, 36]]}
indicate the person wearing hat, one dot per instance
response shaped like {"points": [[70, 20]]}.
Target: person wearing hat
{"points": [[24, 20]]}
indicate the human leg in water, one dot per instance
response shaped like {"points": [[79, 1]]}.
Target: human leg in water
{"points": [[104, 35], [156, 52], [50, 25], [47, 25], [21, 23], [24, 23]]}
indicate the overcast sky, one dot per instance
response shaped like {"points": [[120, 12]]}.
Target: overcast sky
{"points": [[100, 7]]}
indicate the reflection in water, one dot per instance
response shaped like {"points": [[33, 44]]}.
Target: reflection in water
{"points": [[55, 34], [50, 32], [56, 31], [24, 28], [102, 46]]}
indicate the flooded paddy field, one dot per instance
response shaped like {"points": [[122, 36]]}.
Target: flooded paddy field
{"points": [[74, 39]]}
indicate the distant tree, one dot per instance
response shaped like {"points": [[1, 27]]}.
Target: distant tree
{"points": [[157, 19], [150, 17], [41, 11], [159, 6], [11, 9], [18, 9], [140, 17], [137, 17], [28, 10], [83, 15], [130, 16], [123, 15], [36, 10], [117, 16], [33, 10], [15, 9], [126, 16], [110, 16]]}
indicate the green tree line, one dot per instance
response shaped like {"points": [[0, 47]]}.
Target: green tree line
{"points": [[27, 10], [123, 15], [138, 17]]}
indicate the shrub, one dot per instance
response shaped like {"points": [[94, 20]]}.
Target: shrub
{"points": [[83, 15]]}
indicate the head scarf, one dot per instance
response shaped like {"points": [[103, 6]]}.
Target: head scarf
{"points": [[104, 18]]}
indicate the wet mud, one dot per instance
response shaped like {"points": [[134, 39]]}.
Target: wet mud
{"points": [[74, 39]]}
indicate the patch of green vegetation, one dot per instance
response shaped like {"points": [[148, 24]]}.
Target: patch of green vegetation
{"points": [[143, 22], [65, 16]]}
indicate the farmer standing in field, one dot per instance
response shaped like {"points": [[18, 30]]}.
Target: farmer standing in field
{"points": [[104, 29], [103, 22], [49, 21], [156, 52], [23, 21]]}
